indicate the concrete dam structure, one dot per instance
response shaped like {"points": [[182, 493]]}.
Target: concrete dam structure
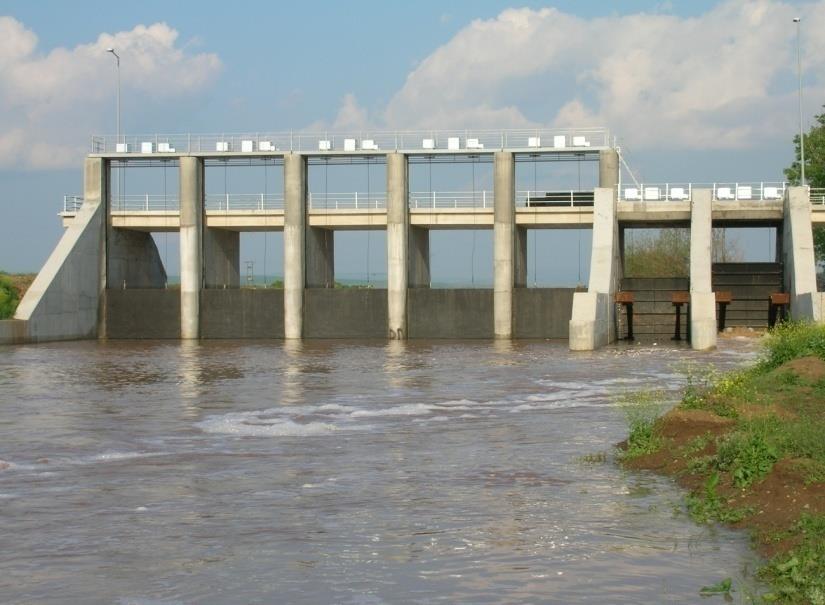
{"points": [[106, 278]]}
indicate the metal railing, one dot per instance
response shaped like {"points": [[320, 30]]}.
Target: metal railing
{"points": [[72, 204], [817, 196], [350, 200], [146, 202], [244, 201], [451, 199], [356, 141], [663, 192], [554, 198]]}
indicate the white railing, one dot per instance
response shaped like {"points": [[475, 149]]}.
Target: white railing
{"points": [[146, 202], [72, 204], [411, 140], [554, 197], [244, 201], [451, 199], [662, 192], [817, 196], [352, 200]]}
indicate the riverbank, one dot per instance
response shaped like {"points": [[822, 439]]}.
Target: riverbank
{"points": [[750, 448], [12, 288]]}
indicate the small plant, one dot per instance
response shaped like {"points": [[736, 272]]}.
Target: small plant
{"points": [[722, 587], [641, 410], [708, 506], [799, 576], [790, 340], [593, 458], [748, 457]]}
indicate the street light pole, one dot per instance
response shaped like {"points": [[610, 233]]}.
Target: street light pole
{"points": [[798, 20], [117, 58]]}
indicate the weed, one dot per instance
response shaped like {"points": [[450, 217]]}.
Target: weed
{"points": [[707, 506], [723, 587], [799, 575], [748, 457], [790, 340], [641, 410]]}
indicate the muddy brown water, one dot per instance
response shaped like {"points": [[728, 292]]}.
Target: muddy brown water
{"points": [[160, 473]]}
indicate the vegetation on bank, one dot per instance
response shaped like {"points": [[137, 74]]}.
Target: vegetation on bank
{"points": [[12, 288], [750, 447], [666, 252]]}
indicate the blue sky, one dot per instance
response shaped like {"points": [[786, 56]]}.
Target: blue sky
{"points": [[695, 90]]}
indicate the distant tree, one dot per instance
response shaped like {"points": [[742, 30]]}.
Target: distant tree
{"points": [[814, 172], [666, 252]]}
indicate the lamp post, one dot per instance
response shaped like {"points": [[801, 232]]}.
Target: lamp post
{"points": [[798, 20], [117, 58]]}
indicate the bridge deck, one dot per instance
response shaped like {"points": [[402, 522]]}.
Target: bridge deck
{"points": [[630, 214]]}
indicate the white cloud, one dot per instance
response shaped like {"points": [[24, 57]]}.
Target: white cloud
{"points": [[724, 79], [49, 103]]}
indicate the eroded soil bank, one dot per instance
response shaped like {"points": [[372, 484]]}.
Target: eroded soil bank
{"points": [[749, 447]]}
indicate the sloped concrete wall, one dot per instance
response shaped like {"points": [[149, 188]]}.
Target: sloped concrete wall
{"points": [[134, 260], [63, 301]]}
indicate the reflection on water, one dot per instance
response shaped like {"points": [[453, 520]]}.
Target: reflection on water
{"points": [[339, 472]]}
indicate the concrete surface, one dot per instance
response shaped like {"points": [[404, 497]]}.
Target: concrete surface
{"points": [[242, 313], [345, 313], [142, 314], [191, 242], [593, 320], [504, 243], [221, 258], [295, 212], [702, 300], [398, 232], [800, 266], [542, 312], [454, 313]]}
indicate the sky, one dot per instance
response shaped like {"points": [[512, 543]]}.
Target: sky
{"points": [[694, 91]]}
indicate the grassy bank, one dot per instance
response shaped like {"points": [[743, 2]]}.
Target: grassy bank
{"points": [[750, 448], [12, 288]]}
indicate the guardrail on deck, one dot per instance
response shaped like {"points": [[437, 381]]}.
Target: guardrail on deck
{"points": [[314, 142], [663, 192]]}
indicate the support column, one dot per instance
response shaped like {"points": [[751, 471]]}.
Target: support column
{"points": [[609, 168], [96, 193], [593, 321], [398, 223], [221, 258], [798, 254], [520, 257], [295, 212], [419, 258], [320, 258], [504, 227], [703, 324], [191, 245]]}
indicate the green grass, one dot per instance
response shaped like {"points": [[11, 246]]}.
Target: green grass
{"points": [[798, 576], [641, 409], [778, 416], [9, 298]]}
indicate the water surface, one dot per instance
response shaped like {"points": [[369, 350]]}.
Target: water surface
{"points": [[340, 472]]}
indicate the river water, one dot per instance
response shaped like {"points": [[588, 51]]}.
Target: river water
{"points": [[159, 473]]}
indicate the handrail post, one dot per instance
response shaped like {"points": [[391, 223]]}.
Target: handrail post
{"points": [[227, 202], [356, 200]]}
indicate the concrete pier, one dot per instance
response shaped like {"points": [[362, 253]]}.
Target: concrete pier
{"points": [[221, 258], [295, 219], [608, 168], [800, 266], [702, 299], [504, 236], [191, 242], [398, 234], [593, 322]]}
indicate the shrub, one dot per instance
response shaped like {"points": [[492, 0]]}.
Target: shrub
{"points": [[9, 298], [641, 410], [791, 340]]}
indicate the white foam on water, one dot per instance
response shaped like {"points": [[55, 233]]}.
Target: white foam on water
{"points": [[245, 424], [406, 409]]}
